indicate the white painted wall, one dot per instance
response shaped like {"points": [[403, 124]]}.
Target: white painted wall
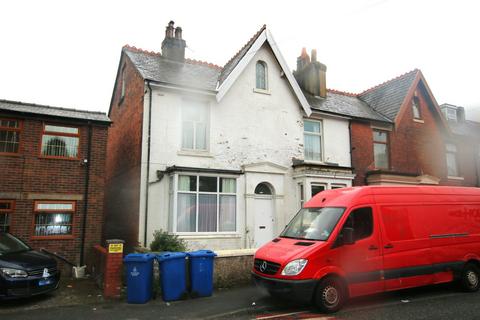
{"points": [[246, 127]]}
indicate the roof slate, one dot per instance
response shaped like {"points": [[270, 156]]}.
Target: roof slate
{"points": [[465, 128], [192, 74], [344, 104], [387, 98], [31, 108]]}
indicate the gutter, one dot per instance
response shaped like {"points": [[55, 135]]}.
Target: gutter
{"points": [[87, 184], [148, 161]]}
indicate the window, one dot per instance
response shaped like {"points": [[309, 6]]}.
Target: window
{"points": [[301, 194], [261, 75], [6, 210], [313, 140], [9, 135], [194, 125], [361, 220], [317, 188], [452, 168], [380, 149], [450, 114], [60, 142], [53, 218], [206, 204], [263, 188], [416, 108]]}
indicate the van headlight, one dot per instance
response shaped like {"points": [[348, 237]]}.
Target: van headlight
{"points": [[294, 267], [14, 273]]}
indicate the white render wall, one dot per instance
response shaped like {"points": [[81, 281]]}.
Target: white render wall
{"points": [[246, 127]]}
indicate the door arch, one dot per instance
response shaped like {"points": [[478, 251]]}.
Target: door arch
{"points": [[264, 213]]}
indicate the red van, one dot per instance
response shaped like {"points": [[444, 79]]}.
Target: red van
{"points": [[357, 241]]}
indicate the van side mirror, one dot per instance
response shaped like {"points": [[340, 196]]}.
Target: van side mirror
{"points": [[348, 236]]}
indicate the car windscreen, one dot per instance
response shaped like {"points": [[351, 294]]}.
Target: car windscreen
{"points": [[10, 244], [313, 223]]}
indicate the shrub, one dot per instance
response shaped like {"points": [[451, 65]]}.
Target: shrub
{"points": [[163, 241]]}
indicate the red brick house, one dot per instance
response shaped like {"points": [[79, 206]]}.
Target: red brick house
{"points": [[413, 145], [53, 171]]}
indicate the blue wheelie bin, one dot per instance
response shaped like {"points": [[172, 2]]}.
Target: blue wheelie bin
{"points": [[173, 275], [201, 272], [139, 268]]}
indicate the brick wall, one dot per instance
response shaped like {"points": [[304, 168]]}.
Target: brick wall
{"points": [[27, 177], [124, 157], [416, 148]]}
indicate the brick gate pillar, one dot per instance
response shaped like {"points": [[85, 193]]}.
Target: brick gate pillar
{"points": [[113, 268]]}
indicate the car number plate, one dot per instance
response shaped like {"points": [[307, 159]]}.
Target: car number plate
{"points": [[44, 282]]}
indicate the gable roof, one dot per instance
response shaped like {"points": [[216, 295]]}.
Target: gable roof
{"points": [[387, 98], [37, 109], [191, 74], [342, 103]]}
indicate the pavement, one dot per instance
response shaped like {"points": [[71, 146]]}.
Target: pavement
{"points": [[81, 300]]}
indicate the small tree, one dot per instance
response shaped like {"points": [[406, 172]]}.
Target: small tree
{"points": [[163, 241]]}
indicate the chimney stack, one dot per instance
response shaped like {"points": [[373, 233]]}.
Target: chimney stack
{"points": [[460, 114], [311, 74], [173, 46]]}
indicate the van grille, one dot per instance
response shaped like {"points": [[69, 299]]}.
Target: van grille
{"points": [[39, 272], [270, 268]]}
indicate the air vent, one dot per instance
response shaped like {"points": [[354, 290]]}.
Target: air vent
{"points": [[305, 244], [275, 240]]}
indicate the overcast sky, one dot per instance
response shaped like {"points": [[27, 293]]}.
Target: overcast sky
{"points": [[65, 53]]}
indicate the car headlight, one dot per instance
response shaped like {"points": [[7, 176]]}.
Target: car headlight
{"points": [[294, 267], [14, 273]]}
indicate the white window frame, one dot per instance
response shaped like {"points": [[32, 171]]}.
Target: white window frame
{"points": [[319, 134], [207, 127], [416, 107], [453, 151], [451, 114], [174, 214], [265, 66], [387, 149]]}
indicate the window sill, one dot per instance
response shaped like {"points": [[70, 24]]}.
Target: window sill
{"points": [[418, 120], [314, 162], [10, 154], [192, 153], [59, 158], [267, 92], [207, 235], [69, 237], [455, 178]]}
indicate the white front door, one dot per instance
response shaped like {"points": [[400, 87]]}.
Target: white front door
{"points": [[264, 220]]}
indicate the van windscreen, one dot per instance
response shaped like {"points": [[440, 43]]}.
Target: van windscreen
{"points": [[313, 223]]}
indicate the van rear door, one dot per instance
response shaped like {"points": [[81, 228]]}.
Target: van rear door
{"points": [[407, 256]]}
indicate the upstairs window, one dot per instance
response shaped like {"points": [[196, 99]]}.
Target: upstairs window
{"points": [[60, 142], [194, 125], [122, 93], [9, 135], [312, 132], [451, 153], [450, 114], [6, 210], [261, 75], [416, 108], [380, 149]]}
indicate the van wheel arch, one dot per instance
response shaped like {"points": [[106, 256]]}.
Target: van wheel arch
{"points": [[344, 290]]}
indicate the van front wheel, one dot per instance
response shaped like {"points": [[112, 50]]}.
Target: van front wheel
{"points": [[330, 295], [470, 279]]}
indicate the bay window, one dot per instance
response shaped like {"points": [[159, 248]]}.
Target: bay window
{"points": [[205, 204]]}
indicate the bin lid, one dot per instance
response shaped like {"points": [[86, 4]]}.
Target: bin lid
{"points": [[138, 257], [202, 253], [171, 255]]}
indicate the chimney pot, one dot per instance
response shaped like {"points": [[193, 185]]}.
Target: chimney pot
{"points": [[178, 33], [314, 55]]}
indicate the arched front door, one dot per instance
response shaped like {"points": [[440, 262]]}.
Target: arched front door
{"points": [[264, 214]]}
